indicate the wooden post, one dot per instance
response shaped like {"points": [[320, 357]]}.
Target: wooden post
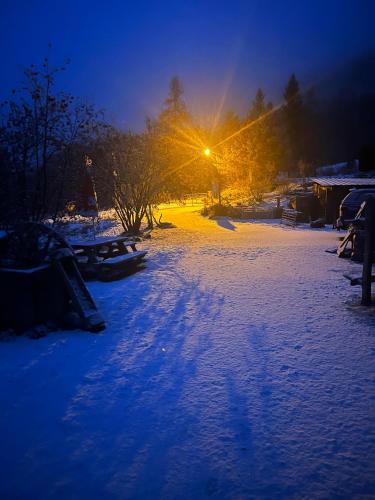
{"points": [[368, 251]]}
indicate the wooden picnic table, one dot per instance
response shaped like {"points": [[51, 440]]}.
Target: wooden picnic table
{"points": [[103, 247], [108, 254], [98, 242]]}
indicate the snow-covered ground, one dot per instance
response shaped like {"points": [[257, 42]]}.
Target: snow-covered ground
{"points": [[238, 365]]}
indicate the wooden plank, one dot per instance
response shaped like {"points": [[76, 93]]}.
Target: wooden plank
{"points": [[349, 235], [79, 294], [342, 247], [367, 256], [120, 259], [289, 217], [98, 242], [256, 213]]}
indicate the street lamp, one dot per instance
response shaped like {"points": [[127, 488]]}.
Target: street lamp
{"points": [[216, 183]]}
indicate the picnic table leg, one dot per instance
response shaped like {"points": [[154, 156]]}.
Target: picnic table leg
{"points": [[91, 256], [122, 248]]}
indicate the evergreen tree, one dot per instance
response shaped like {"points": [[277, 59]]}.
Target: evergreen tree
{"points": [[258, 106], [229, 125], [175, 112], [269, 106], [292, 94], [293, 112], [250, 159], [180, 141]]}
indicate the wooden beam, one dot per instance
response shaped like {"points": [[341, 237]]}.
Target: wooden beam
{"points": [[367, 257]]}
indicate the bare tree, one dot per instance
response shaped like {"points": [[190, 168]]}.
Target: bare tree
{"points": [[45, 136], [132, 166]]}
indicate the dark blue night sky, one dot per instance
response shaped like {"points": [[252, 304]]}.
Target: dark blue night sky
{"points": [[124, 53]]}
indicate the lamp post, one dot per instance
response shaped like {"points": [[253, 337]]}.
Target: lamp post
{"points": [[216, 183]]}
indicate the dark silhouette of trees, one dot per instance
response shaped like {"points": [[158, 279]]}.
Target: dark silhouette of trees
{"points": [[294, 122], [259, 106], [45, 137], [334, 122], [174, 113], [250, 153], [135, 179], [181, 141]]}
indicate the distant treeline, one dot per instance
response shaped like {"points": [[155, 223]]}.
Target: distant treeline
{"points": [[50, 140]]}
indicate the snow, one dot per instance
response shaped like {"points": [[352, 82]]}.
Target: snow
{"points": [[344, 167], [237, 365], [124, 257]]}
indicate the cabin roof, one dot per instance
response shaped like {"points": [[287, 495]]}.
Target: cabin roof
{"points": [[343, 181]]}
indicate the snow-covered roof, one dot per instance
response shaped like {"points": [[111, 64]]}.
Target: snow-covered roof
{"points": [[338, 168], [343, 181]]}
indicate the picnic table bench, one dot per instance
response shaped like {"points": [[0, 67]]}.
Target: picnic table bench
{"points": [[107, 257]]}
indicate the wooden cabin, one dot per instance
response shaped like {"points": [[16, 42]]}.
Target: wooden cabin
{"points": [[331, 190]]}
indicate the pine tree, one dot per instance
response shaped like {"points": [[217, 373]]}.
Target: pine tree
{"points": [[175, 112], [258, 106], [176, 135], [292, 94], [293, 113], [250, 159], [230, 124]]}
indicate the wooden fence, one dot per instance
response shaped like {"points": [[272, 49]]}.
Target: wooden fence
{"points": [[290, 217]]}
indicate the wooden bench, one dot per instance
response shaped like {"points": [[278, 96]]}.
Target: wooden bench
{"points": [[119, 259]]}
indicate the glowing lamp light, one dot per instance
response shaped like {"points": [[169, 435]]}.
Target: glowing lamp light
{"points": [[207, 151]]}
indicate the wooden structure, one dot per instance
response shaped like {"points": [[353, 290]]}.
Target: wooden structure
{"points": [[306, 203], [256, 213], [365, 223], [253, 212], [290, 217], [351, 238], [108, 257], [368, 255], [331, 190], [84, 305], [39, 273]]}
